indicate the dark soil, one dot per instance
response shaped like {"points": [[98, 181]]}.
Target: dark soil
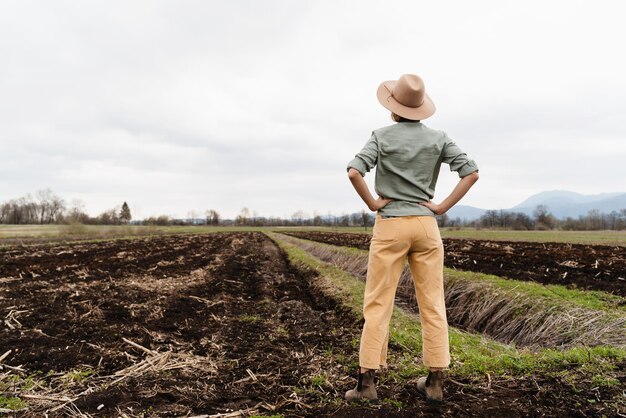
{"points": [[589, 267], [256, 330]]}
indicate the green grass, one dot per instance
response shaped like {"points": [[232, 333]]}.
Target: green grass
{"points": [[551, 294], [573, 237], [599, 380], [52, 231], [77, 375], [69, 231], [65, 231], [473, 356], [250, 318], [20, 383], [12, 403], [318, 380]]}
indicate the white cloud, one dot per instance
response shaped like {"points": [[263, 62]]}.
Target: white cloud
{"points": [[175, 106]]}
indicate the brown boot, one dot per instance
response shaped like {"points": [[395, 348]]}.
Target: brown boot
{"points": [[432, 386], [365, 388]]}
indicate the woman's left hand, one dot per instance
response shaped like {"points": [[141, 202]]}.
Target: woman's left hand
{"points": [[436, 208], [379, 203]]}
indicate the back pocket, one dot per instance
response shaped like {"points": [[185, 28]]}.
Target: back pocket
{"points": [[386, 230]]}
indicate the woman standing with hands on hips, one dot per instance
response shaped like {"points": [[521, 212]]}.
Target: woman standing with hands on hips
{"points": [[407, 156]]}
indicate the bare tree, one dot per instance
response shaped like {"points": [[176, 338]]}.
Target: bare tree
{"points": [[125, 215], [365, 219], [243, 217], [109, 217], [191, 217], [161, 220], [76, 212], [48, 206], [6, 212], [56, 208], [543, 218], [212, 217], [298, 217], [44, 201]]}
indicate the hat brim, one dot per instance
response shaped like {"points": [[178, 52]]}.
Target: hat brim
{"points": [[426, 110]]}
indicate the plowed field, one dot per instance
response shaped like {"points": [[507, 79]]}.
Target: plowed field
{"points": [[206, 324], [590, 267]]}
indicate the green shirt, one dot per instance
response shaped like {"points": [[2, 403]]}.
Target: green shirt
{"points": [[407, 157]]}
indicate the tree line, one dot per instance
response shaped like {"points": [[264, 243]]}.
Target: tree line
{"points": [[542, 219], [45, 207]]}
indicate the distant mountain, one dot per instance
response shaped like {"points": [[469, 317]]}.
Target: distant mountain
{"points": [[563, 204], [465, 212], [560, 203]]}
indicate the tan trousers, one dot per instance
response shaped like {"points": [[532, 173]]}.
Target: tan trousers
{"points": [[393, 240]]}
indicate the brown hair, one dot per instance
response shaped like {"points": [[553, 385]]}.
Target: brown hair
{"points": [[398, 118]]}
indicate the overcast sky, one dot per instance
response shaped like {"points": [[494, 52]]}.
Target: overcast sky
{"points": [[180, 105]]}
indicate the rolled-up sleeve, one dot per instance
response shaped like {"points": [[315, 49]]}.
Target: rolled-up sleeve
{"points": [[367, 158], [457, 159]]}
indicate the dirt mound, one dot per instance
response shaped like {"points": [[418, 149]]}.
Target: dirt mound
{"points": [[204, 324], [590, 267], [229, 299]]}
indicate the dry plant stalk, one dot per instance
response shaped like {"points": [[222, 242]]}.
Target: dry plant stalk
{"points": [[153, 362], [5, 355], [505, 315], [159, 362]]}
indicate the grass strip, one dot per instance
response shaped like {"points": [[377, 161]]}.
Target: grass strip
{"points": [[473, 355], [551, 294], [507, 315], [617, 238]]}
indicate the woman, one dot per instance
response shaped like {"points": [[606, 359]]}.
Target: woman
{"points": [[408, 156]]}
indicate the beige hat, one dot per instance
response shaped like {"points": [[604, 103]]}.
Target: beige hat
{"points": [[406, 97]]}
